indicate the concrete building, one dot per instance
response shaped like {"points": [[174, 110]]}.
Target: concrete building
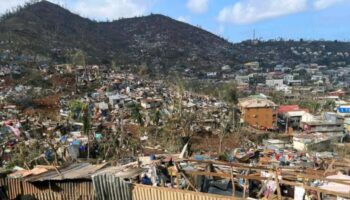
{"points": [[258, 112], [274, 82]]}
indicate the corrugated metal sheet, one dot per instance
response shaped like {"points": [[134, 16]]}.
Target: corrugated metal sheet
{"points": [[13, 187], [108, 186], [57, 196], [102, 187], [49, 190], [142, 192], [121, 171], [74, 171]]}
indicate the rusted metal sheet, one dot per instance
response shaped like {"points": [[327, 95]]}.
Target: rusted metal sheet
{"points": [[141, 192], [49, 189], [108, 186], [58, 196], [14, 188], [74, 171]]}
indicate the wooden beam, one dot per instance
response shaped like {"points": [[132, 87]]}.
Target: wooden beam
{"points": [[278, 186], [329, 168], [295, 173], [224, 175], [298, 175], [233, 184], [189, 182], [258, 167], [316, 189], [246, 185]]}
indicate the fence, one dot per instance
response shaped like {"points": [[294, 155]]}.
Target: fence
{"points": [[59, 196], [108, 186], [142, 192], [103, 187], [61, 190]]}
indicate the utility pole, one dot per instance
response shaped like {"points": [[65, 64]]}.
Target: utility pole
{"points": [[287, 119]]}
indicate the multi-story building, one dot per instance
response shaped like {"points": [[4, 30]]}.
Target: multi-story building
{"points": [[258, 112]]}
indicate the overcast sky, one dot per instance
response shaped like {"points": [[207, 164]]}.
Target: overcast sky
{"points": [[233, 19]]}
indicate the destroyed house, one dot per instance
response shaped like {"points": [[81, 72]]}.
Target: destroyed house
{"points": [[289, 116], [118, 99], [328, 123], [322, 126], [150, 103], [50, 182]]}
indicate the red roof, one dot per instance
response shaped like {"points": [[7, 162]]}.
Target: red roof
{"points": [[337, 93], [287, 108]]}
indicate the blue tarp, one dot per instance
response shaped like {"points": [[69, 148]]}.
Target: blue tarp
{"points": [[344, 110]]}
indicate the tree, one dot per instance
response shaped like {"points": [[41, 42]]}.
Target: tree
{"points": [[76, 107], [79, 59], [229, 93], [114, 65], [155, 117], [329, 105], [186, 123], [144, 70], [225, 124], [313, 106], [87, 125], [180, 88], [136, 113]]}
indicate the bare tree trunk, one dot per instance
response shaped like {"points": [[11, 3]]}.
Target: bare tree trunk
{"points": [[220, 143], [88, 146]]}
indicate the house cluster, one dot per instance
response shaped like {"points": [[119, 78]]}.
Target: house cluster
{"points": [[141, 131], [313, 78], [125, 111], [172, 175], [131, 128], [309, 132]]}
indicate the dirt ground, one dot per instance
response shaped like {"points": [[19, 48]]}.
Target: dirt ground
{"points": [[211, 143], [231, 141]]}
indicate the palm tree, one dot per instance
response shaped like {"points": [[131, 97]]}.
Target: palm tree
{"points": [[136, 113], [329, 105], [78, 60], [87, 125], [155, 117], [76, 107]]}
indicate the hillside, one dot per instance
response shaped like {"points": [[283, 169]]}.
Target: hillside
{"points": [[44, 31], [47, 31], [291, 53]]}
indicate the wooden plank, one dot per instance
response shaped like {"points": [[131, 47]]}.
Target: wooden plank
{"points": [[224, 175], [316, 189], [299, 175], [246, 185], [278, 186], [233, 184], [189, 182]]}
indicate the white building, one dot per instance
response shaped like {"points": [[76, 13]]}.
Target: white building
{"points": [[274, 82], [242, 80], [288, 78]]}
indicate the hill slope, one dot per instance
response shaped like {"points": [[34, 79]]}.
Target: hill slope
{"points": [[51, 31]]}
